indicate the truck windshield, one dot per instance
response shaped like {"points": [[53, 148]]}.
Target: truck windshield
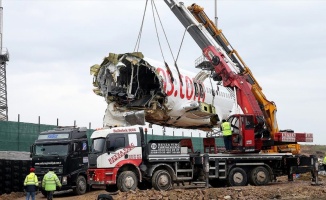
{"points": [[51, 149], [98, 145]]}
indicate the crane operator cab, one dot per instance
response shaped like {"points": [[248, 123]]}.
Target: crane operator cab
{"points": [[249, 133]]}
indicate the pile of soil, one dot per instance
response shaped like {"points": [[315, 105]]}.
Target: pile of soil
{"points": [[300, 188]]}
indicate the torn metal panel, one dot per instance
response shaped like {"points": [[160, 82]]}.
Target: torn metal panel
{"points": [[114, 117], [128, 83]]}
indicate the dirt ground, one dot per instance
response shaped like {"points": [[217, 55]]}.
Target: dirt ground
{"points": [[300, 188]]}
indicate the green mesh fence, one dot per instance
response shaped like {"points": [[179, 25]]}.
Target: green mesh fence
{"points": [[18, 136]]}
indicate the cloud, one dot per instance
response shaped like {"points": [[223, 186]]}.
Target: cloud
{"points": [[52, 44]]}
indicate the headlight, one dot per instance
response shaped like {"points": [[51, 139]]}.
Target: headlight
{"points": [[64, 180]]}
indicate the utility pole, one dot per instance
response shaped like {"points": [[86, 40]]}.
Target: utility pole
{"points": [[4, 58]]}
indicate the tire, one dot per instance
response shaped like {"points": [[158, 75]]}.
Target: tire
{"points": [[259, 176], [161, 180], [237, 177], [104, 197], [81, 186], [127, 181]]}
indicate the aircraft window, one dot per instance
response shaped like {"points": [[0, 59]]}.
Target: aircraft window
{"points": [[196, 89]]}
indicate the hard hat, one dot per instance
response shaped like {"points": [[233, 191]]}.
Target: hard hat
{"points": [[32, 169]]}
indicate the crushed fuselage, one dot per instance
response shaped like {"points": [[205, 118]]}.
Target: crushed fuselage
{"points": [[130, 84]]}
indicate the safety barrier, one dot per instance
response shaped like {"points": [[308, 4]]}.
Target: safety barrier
{"points": [[12, 175]]}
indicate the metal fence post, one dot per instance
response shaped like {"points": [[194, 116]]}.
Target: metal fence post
{"points": [[39, 124], [18, 131]]}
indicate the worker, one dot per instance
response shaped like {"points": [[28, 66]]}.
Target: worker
{"points": [[31, 184], [49, 183], [324, 163], [227, 134]]}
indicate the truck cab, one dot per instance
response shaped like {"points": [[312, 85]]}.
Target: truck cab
{"points": [[64, 149], [249, 133], [112, 151]]}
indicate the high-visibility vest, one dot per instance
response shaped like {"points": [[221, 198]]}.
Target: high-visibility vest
{"points": [[226, 128], [324, 161], [50, 181], [31, 179]]}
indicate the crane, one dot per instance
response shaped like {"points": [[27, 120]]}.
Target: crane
{"points": [[256, 129]]}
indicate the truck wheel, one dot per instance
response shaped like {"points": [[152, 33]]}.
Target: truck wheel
{"points": [[237, 177], [127, 180], [162, 180], [81, 185], [259, 176]]}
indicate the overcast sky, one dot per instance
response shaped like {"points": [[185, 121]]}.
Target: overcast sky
{"points": [[53, 43]]}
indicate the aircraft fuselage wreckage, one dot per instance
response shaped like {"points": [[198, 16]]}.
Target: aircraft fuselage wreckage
{"points": [[138, 89]]}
